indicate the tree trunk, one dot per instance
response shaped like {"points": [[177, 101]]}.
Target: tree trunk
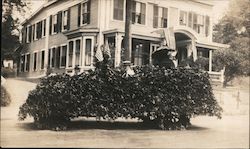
{"points": [[127, 38]]}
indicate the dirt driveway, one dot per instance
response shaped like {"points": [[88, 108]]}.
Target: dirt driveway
{"points": [[232, 131]]}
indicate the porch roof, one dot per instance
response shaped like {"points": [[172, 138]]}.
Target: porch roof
{"points": [[211, 45]]}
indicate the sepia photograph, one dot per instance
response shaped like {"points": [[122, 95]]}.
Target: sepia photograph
{"points": [[125, 74]]}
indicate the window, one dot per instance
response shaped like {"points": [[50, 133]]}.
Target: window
{"points": [[22, 63], [86, 12], [49, 58], [27, 64], [164, 19], [207, 25], [138, 12], [63, 56], [183, 18], [195, 19], [53, 56], [71, 46], [190, 19], [39, 27], [44, 28], [29, 33], [118, 9], [160, 17], [200, 24], [77, 51], [54, 24], [88, 45], [65, 20], [42, 59], [140, 53], [57, 59], [155, 19], [35, 62]]}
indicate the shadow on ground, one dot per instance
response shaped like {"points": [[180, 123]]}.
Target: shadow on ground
{"points": [[106, 125]]}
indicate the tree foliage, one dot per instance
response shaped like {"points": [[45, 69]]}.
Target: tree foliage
{"points": [[10, 24], [234, 29]]}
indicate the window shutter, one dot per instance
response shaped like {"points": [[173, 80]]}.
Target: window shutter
{"points": [[88, 10], [50, 24], [68, 20], [207, 24], [155, 19], [79, 15], [59, 22], [44, 27], [190, 19], [57, 57], [49, 55], [33, 32]]}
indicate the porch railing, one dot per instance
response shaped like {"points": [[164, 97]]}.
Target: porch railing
{"points": [[217, 77]]}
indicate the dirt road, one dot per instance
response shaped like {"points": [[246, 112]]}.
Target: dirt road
{"points": [[232, 131]]}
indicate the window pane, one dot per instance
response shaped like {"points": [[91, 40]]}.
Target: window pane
{"points": [[42, 61], [88, 52], [77, 51], [118, 9], [49, 58], [28, 62], [35, 61], [63, 56], [53, 57], [58, 53], [190, 19], [71, 44], [22, 63], [155, 19]]}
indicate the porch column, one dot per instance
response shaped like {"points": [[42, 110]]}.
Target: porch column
{"points": [[118, 49], [194, 50], [210, 60]]}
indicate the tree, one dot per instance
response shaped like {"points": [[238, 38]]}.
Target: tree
{"points": [[10, 24], [234, 29]]}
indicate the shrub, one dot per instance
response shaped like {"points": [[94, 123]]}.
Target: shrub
{"points": [[8, 72], [167, 98], [5, 97]]}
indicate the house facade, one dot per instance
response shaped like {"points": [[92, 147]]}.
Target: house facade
{"points": [[64, 34]]}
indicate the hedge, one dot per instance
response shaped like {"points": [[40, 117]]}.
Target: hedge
{"points": [[166, 98], [5, 97]]}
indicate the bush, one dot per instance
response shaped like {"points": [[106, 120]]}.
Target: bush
{"points": [[8, 72], [5, 97], [202, 63], [167, 98]]}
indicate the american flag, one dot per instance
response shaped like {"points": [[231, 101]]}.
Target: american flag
{"points": [[99, 54], [106, 50]]}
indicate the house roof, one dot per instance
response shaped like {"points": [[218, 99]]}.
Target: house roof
{"points": [[48, 3]]}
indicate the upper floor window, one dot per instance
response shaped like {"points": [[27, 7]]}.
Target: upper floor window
{"points": [[160, 17], [54, 24], [138, 12], [65, 20], [29, 33], [38, 30], [118, 9], [183, 18], [84, 13], [197, 22]]}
